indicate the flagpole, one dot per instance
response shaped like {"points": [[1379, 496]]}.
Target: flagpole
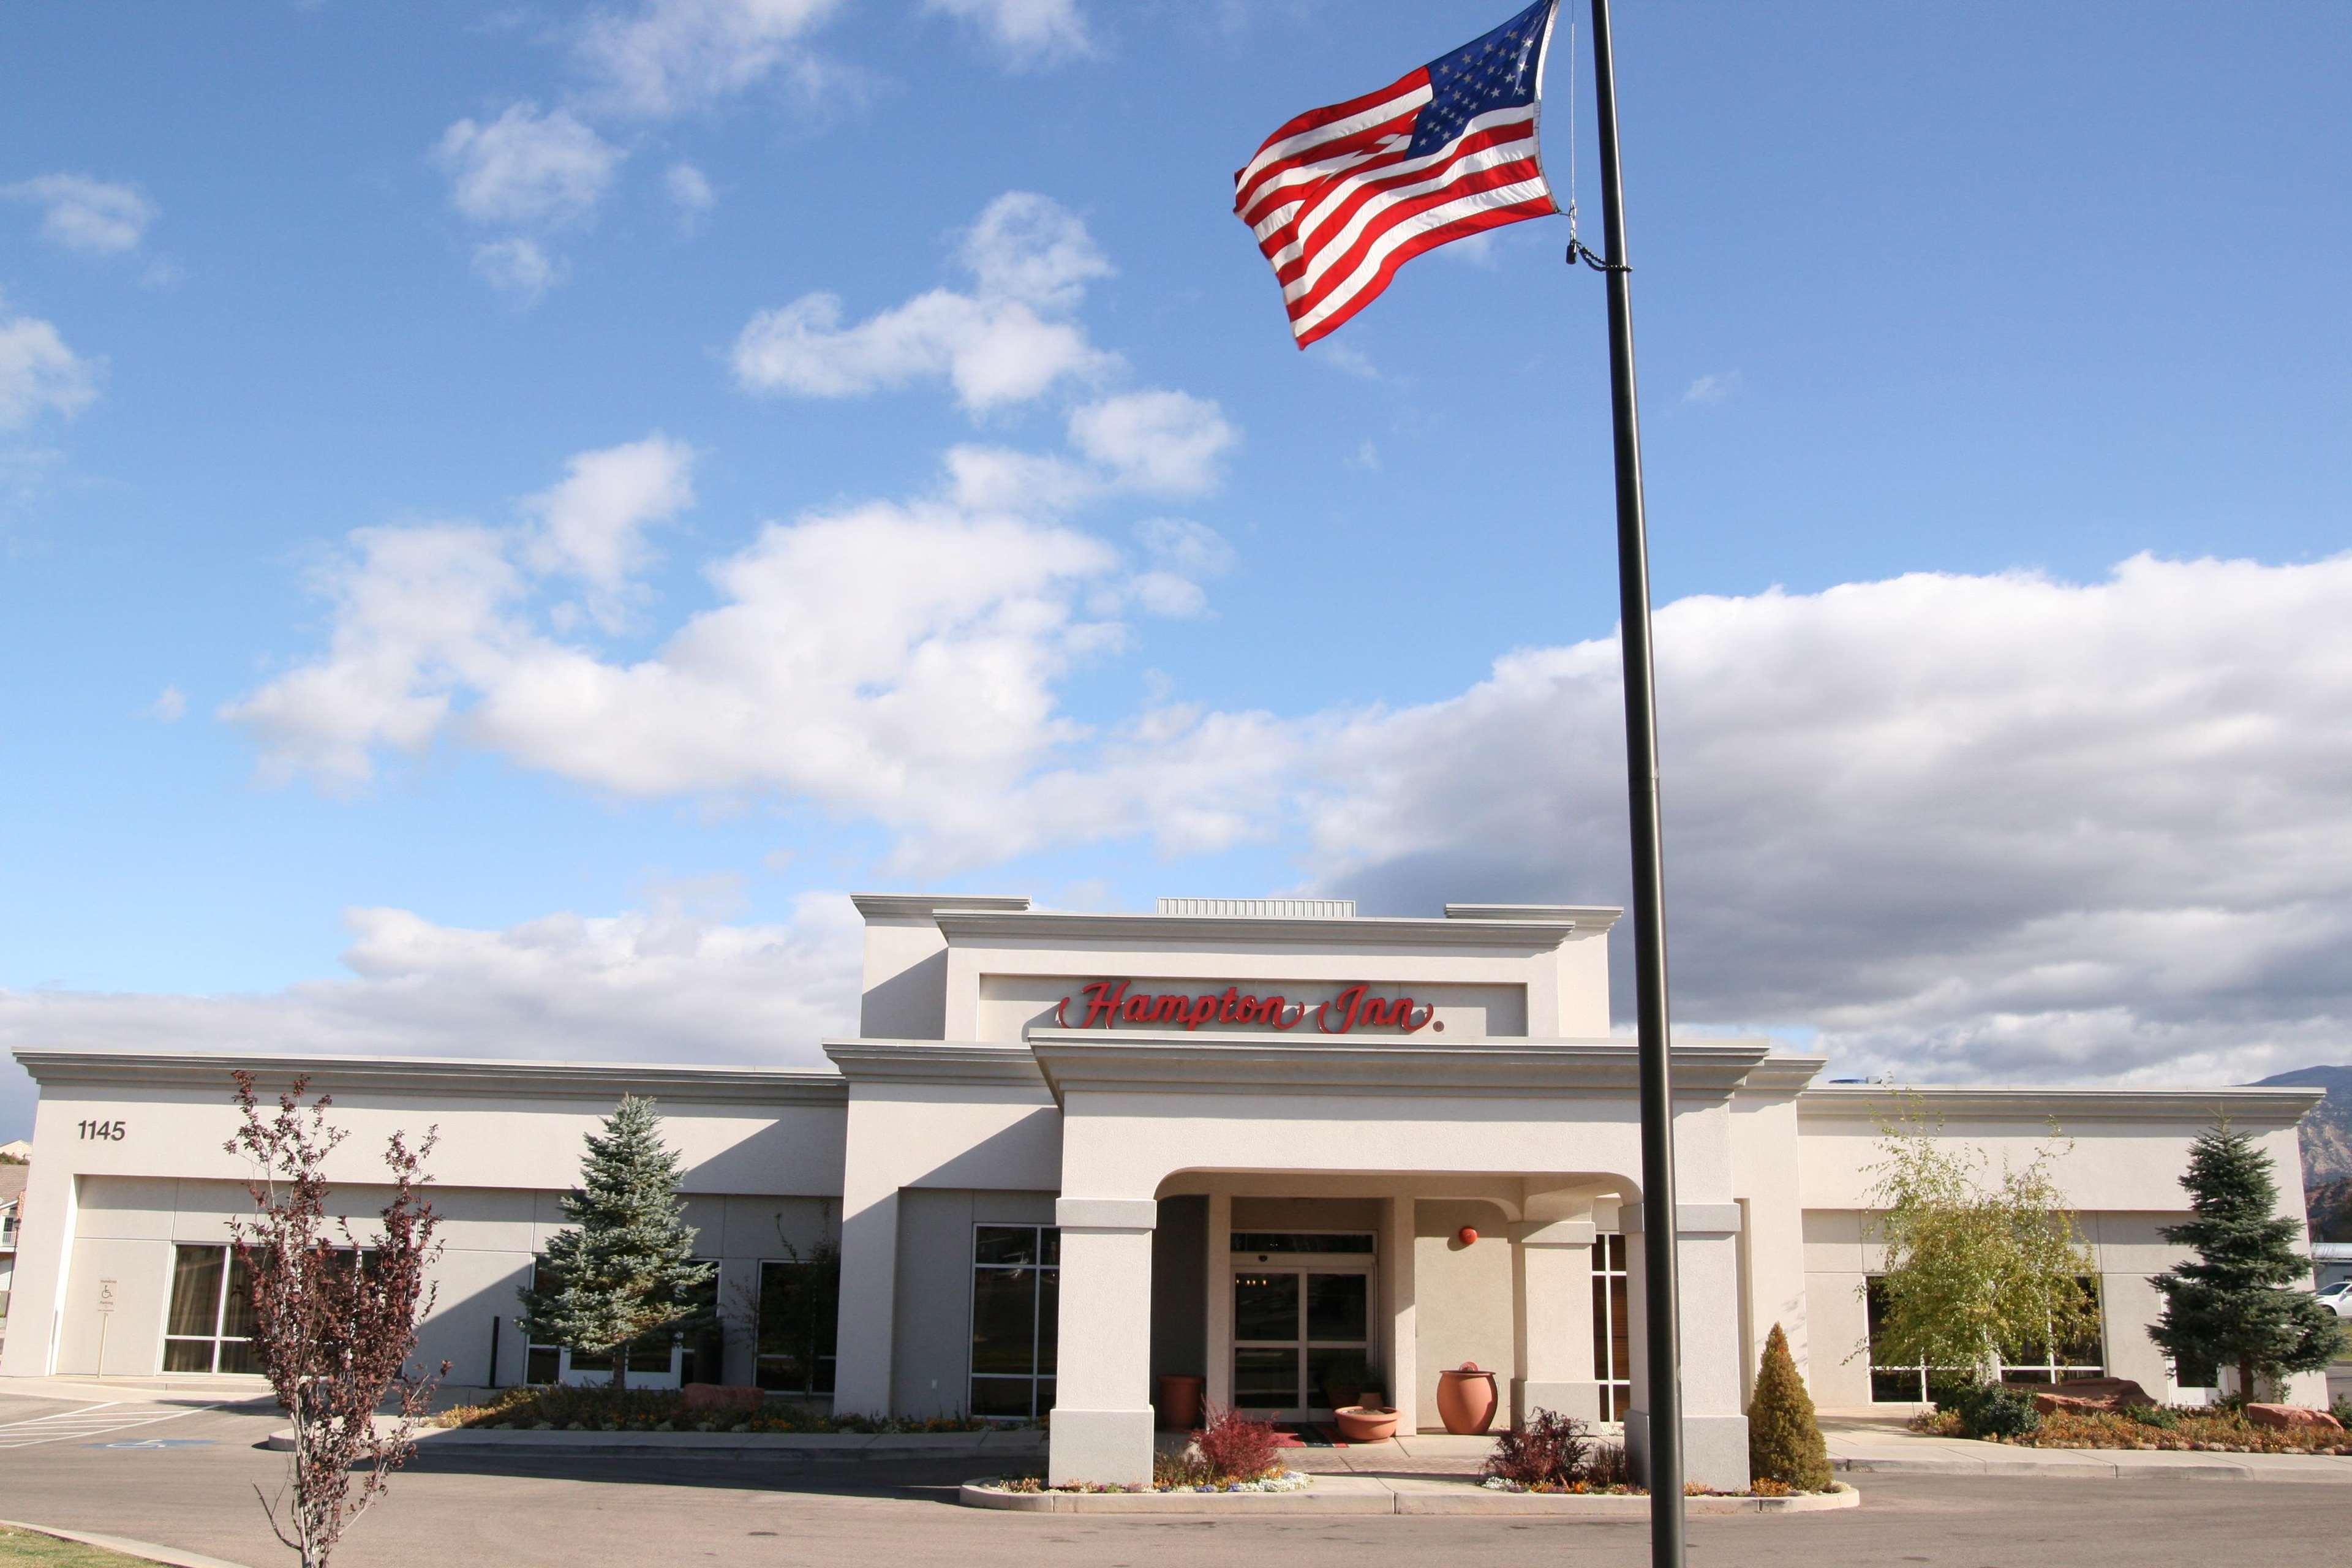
{"points": [[1661, 1296]]}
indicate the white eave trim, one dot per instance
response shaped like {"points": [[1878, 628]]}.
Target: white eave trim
{"points": [[439, 1076], [923, 906], [1583, 917], [994, 928], [930, 1061], [2269, 1109], [1079, 1060]]}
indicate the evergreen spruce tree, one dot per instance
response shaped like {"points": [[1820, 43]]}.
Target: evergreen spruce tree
{"points": [[2236, 1305], [626, 1270], [1784, 1439]]}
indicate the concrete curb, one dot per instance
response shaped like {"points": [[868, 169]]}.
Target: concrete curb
{"points": [[714, 1444], [146, 1551], [2092, 1465], [1378, 1495]]}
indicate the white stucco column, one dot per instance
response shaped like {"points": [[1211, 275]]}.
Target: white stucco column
{"points": [[1102, 1403], [47, 1219], [1551, 1289], [1715, 1426], [869, 1303], [1219, 1394], [1402, 1346]]}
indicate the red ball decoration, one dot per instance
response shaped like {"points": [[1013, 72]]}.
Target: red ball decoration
{"points": [[1465, 1235]]}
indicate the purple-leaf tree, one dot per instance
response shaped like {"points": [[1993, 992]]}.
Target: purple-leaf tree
{"points": [[334, 1315]]}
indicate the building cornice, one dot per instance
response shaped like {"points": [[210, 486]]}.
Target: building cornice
{"points": [[2068, 1107], [923, 906], [447, 1075], [1784, 1075], [1078, 1060], [1588, 917], [988, 927], [930, 1061]]}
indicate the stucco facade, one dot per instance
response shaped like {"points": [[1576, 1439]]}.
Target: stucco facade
{"points": [[1069, 1155]]}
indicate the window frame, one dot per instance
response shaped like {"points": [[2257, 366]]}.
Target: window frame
{"points": [[1042, 1382], [2049, 1371], [1612, 1289], [823, 1364], [217, 1340]]}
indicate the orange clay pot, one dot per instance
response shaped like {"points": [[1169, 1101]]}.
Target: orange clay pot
{"points": [[1366, 1423], [1466, 1399]]}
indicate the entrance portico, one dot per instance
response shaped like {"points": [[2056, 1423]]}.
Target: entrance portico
{"points": [[1540, 1134]]}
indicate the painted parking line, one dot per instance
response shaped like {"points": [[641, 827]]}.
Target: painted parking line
{"points": [[91, 1421]]}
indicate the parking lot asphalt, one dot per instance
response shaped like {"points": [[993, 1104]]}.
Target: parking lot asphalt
{"points": [[192, 1483]]}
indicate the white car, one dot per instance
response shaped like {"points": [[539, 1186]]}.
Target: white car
{"points": [[2338, 1298]]}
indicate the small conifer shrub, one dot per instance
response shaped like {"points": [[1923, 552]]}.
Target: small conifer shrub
{"points": [[1784, 1440]]}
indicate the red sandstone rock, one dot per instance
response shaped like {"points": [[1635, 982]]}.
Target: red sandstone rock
{"points": [[703, 1396], [2293, 1418], [2092, 1396]]}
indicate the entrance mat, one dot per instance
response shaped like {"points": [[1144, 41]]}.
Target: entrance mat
{"points": [[1308, 1437]]}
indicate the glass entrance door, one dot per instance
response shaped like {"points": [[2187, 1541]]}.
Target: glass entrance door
{"points": [[1302, 1339]]}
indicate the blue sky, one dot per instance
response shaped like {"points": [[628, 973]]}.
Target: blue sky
{"points": [[466, 589]]}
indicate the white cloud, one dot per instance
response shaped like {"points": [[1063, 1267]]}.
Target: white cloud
{"points": [[518, 267], [1005, 342], [592, 525], [663, 57], [171, 705], [690, 189], [1713, 387], [526, 168], [418, 611], [663, 984], [1344, 357], [98, 218], [1026, 32], [1977, 828], [1171, 443], [38, 374], [1368, 456], [1178, 544]]}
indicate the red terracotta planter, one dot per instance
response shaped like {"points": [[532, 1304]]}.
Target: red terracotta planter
{"points": [[1466, 1399], [1366, 1423], [1180, 1402]]}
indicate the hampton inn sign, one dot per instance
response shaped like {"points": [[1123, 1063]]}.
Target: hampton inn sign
{"points": [[1107, 1003], [1236, 1160]]}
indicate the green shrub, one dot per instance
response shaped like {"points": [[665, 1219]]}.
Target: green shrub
{"points": [[2343, 1412], [2156, 1416], [1989, 1410], [1784, 1440]]}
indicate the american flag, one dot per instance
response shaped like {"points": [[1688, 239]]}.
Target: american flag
{"points": [[1341, 197]]}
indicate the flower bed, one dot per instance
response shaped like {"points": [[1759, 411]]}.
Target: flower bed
{"points": [[602, 1410], [1589, 1489], [1280, 1481], [2213, 1431]]}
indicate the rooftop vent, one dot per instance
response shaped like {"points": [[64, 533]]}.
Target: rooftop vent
{"points": [[1264, 908]]}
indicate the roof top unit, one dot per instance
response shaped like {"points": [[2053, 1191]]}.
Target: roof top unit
{"points": [[1264, 908]]}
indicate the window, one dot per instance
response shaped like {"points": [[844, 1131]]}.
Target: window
{"points": [[209, 1324], [2041, 1362], [800, 1319], [1016, 1273], [1272, 1241], [1612, 1328]]}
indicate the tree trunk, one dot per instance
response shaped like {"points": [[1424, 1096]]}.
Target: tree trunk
{"points": [[2247, 1393], [620, 1369]]}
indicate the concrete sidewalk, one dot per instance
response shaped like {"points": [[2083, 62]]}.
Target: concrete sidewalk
{"points": [[1859, 1447]]}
